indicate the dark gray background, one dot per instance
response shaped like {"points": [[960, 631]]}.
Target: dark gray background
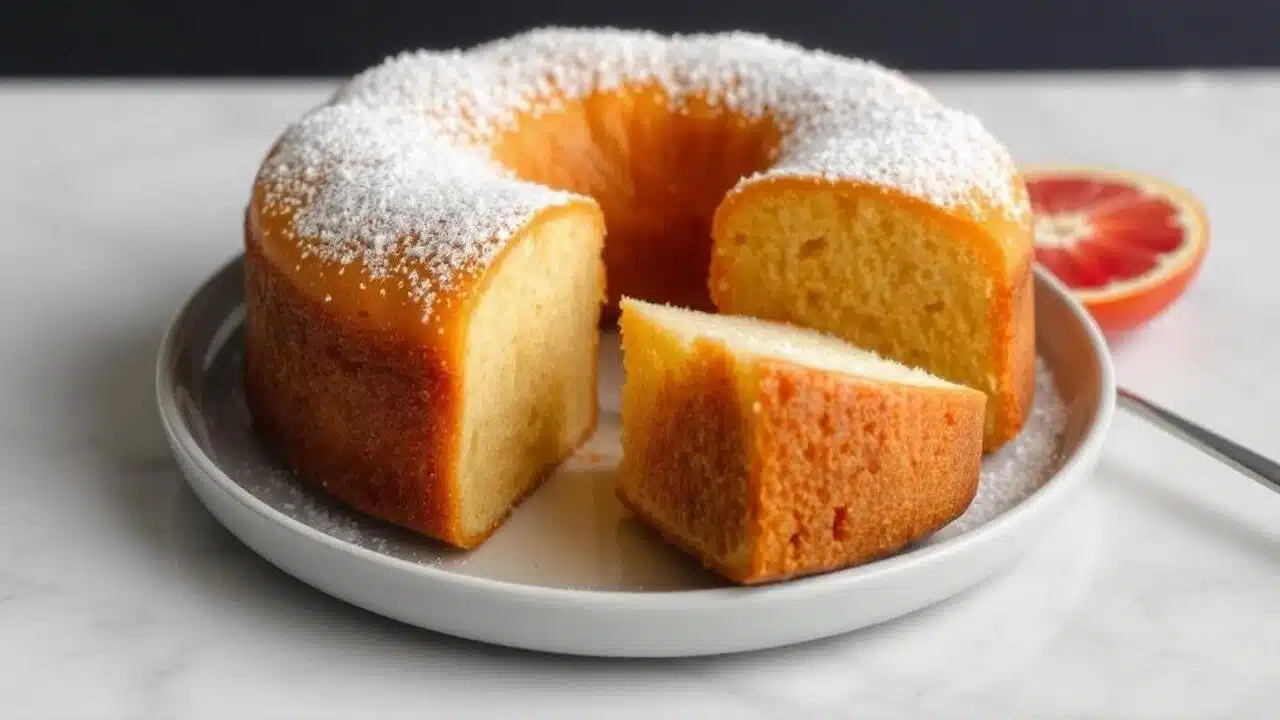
{"points": [[328, 37]]}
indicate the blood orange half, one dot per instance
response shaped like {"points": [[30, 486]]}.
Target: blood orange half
{"points": [[1126, 244]]}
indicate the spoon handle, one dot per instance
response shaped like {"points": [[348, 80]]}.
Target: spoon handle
{"points": [[1248, 462]]}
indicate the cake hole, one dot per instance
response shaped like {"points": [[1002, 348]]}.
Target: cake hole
{"points": [[796, 540], [785, 392], [812, 247], [740, 239], [814, 299], [951, 419], [363, 313], [934, 307], [840, 524]]}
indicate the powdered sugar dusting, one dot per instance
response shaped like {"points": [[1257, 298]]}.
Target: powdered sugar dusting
{"points": [[373, 186], [395, 173], [1019, 468]]}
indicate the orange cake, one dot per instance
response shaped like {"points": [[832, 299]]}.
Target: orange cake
{"points": [[770, 451], [427, 266]]}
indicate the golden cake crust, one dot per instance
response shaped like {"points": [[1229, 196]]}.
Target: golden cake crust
{"points": [[911, 467], [367, 417]]}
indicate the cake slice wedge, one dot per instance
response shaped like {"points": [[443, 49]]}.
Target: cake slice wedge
{"points": [[769, 451]]}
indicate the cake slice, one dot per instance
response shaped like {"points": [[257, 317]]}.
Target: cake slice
{"points": [[769, 451]]}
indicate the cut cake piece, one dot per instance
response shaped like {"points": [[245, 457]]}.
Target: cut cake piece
{"points": [[770, 451]]}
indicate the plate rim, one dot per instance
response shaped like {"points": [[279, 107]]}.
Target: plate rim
{"points": [[1068, 474]]}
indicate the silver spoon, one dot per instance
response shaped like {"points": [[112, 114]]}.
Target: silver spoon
{"points": [[1266, 472]]}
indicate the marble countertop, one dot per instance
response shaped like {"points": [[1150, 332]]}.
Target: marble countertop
{"points": [[1156, 595]]}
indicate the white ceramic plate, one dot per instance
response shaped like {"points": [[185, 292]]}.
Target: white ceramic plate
{"points": [[570, 572]]}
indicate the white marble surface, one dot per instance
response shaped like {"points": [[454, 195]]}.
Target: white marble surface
{"points": [[1157, 595]]}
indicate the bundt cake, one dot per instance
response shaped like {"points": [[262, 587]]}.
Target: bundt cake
{"points": [[427, 268], [770, 451]]}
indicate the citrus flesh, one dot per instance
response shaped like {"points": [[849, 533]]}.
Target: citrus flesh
{"points": [[1126, 244]]}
